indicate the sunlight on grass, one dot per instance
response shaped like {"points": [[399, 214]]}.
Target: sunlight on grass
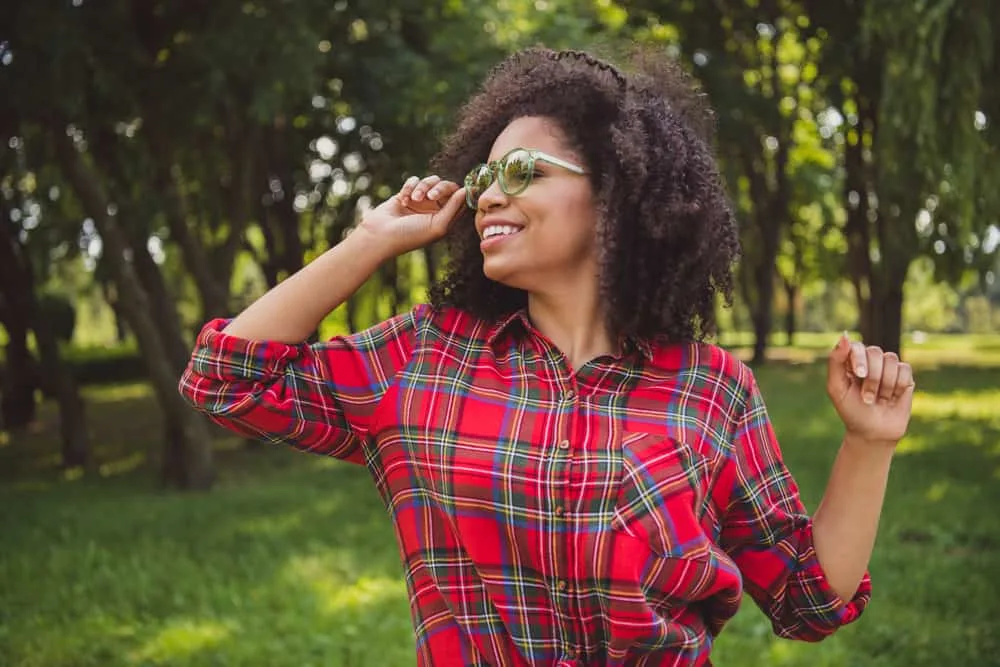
{"points": [[941, 358], [334, 592], [980, 405], [938, 491], [118, 392], [974, 420], [73, 474], [127, 464], [789, 653], [181, 639]]}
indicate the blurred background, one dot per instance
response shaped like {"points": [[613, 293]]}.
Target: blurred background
{"points": [[164, 163]]}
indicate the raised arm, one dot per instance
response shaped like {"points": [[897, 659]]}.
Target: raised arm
{"points": [[293, 309], [256, 375]]}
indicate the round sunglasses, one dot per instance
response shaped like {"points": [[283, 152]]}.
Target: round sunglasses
{"points": [[514, 171]]}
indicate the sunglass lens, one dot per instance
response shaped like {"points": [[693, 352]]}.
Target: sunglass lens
{"points": [[517, 170], [477, 182]]}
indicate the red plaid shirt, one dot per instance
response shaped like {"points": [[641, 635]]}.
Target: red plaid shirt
{"points": [[611, 516]]}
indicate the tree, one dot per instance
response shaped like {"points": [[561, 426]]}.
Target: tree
{"points": [[908, 78], [21, 305]]}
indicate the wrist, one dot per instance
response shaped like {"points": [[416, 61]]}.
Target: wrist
{"points": [[863, 443], [367, 245]]}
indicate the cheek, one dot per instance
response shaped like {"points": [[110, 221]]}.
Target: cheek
{"points": [[573, 210], [580, 220]]}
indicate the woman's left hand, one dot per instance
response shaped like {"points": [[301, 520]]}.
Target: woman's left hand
{"points": [[871, 390]]}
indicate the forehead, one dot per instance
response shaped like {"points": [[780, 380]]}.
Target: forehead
{"points": [[533, 132]]}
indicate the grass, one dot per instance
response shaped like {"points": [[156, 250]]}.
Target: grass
{"points": [[291, 559]]}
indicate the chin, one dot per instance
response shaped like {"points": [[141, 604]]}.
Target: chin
{"points": [[500, 272]]}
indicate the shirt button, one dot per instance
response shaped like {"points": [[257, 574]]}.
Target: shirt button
{"points": [[564, 444], [569, 395], [563, 586], [559, 511]]}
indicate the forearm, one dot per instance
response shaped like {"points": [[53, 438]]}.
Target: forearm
{"points": [[846, 522], [293, 309]]}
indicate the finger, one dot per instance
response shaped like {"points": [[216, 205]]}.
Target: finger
{"points": [[442, 191], [420, 191], [873, 376], [904, 381], [858, 363], [407, 189], [441, 220], [837, 380], [890, 373]]}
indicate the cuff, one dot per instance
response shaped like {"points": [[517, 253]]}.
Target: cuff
{"points": [[817, 605], [229, 358]]}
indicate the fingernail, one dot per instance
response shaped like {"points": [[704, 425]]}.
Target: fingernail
{"points": [[861, 371], [868, 397]]}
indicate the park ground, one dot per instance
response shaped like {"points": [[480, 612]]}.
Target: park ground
{"points": [[290, 560]]}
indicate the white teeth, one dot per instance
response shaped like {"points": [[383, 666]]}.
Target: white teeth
{"points": [[495, 230]]}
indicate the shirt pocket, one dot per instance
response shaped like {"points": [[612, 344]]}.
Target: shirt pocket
{"points": [[661, 495]]}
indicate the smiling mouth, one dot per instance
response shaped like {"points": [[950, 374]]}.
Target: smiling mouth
{"points": [[500, 230]]}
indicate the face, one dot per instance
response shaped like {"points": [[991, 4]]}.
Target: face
{"points": [[549, 228]]}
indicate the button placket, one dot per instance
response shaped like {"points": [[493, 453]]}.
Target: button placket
{"points": [[561, 520], [564, 400]]}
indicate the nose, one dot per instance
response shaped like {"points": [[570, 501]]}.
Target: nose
{"points": [[492, 198]]}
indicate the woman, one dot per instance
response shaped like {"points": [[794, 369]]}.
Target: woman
{"points": [[574, 476]]}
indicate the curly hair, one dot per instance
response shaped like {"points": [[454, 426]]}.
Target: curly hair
{"points": [[667, 237]]}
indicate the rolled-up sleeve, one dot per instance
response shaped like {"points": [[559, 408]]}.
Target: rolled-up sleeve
{"points": [[316, 397], [769, 535]]}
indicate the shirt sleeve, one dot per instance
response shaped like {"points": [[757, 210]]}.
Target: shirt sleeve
{"points": [[769, 535], [315, 397]]}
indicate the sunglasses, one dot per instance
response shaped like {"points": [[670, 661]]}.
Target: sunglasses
{"points": [[514, 171]]}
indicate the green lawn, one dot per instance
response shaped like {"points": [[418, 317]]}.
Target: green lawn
{"points": [[291, 559]]}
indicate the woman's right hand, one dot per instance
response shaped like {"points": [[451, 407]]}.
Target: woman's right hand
{"points": [[419, 214]]}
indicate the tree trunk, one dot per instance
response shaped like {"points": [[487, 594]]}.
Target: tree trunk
{"points": [[214, 296], [246, 186], [163, 306], [196, 470], [72, 414], [18, 408], [762, 323], [431, 261], [164, 314], [351, 313], [791, 293], [20, 295], [857, 234], [886, 329], [391, 282], [770, 214], [887, 304]]}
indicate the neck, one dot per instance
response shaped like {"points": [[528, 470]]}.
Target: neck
{"points": [[573, 319]]}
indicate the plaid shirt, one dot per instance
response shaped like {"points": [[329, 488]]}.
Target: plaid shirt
{"points": [[611, 516]]}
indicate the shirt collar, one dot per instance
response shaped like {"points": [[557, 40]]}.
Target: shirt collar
{"points": [[517, 322]]}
